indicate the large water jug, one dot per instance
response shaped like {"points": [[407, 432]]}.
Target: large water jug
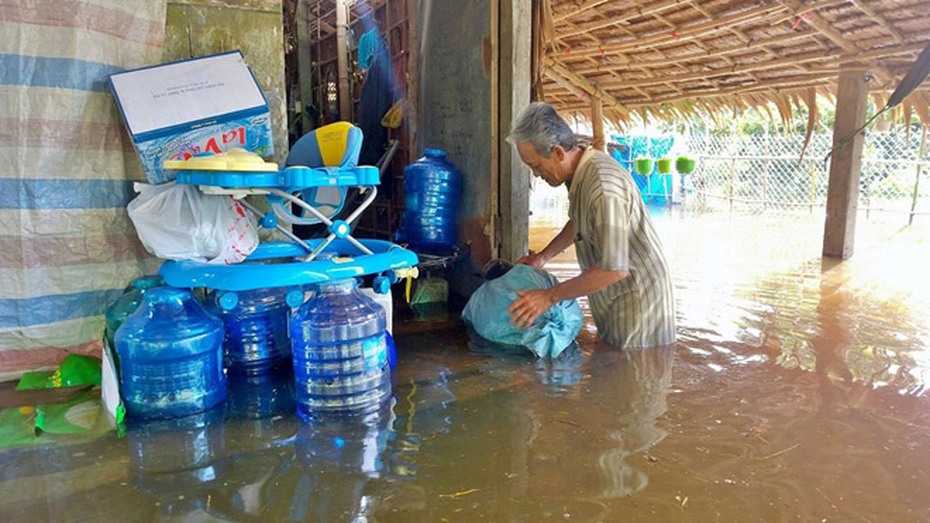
{"points": [[257, 402], [340, 352], [256, 331], [128, 302], [260, 395], [432, 187], [171, 356]]}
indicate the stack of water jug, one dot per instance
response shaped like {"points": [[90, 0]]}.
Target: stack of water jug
{"points": [[174, 349]]}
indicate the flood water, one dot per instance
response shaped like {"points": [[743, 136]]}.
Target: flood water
{"points": [[796, 391]]}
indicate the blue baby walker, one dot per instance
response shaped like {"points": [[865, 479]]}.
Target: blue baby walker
{"points": [[311, 189]]}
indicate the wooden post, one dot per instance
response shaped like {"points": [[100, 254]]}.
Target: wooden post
{"points": [[342, 61], [597, 124], [843, 189], [920, 164], [494, 167], [515, 87]]}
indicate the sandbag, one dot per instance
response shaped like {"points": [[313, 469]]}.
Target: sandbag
{"points": [[486, 313]]}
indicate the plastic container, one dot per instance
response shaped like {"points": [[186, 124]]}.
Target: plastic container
{"points": [[664, 165], [340, 351], [256, 338], [432, 187], [171, 356], [128, 302], [685, 165], [643, 166], [386, 301], [260, 396]]}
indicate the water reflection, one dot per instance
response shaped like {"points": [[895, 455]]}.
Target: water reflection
{"points": [[629, 390], [559, 374], [562, 373], [178, 462], [339, 456], [797, 393], [815, 319]]}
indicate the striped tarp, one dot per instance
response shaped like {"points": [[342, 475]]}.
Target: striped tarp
{"points": [[67, 247]]}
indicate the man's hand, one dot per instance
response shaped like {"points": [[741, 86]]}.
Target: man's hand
{"points": [[535, 260], [528, 306]]}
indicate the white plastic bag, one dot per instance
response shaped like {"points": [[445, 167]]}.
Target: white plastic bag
{"points": [[178, 222]]}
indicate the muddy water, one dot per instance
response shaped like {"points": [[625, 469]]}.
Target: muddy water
{"points": [[797, 391]]}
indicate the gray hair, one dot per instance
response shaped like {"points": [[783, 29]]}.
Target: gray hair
{"points": [[540, 125]]}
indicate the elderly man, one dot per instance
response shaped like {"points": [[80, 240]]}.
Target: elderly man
{"points": [[623, 270]]}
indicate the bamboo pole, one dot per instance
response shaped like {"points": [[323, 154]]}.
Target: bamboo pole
{"points": [[584, 85], [833, 60], [792, 82], [920, 158], [597, 124], [686, 33], [590, 4]]}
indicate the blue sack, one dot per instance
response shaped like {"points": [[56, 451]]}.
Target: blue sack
{"points": [[486, 313]]}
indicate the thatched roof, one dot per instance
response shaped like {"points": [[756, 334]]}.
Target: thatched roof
{"points": [[671, 58]]}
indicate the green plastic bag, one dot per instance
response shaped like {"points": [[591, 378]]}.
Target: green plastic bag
{"points": [[76, 370], [78, 416], [32, 380], [17, 426]]}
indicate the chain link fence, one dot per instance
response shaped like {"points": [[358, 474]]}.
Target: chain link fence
{"points": [[765, 173]]}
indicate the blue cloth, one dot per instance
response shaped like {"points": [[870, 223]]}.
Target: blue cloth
{"points": [[367, 46], [548, 336]]}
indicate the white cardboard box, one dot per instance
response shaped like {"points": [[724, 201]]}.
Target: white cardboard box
{"points": [[205, 104]]}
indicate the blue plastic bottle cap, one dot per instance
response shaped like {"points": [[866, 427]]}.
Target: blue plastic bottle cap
{"points": [[228, 300], [295, 299], [434, 152]]}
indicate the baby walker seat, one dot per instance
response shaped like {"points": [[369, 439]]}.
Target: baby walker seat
{"points": [[311, 189]]}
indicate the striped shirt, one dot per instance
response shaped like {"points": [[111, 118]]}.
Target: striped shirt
{"points": [[613, 232]]}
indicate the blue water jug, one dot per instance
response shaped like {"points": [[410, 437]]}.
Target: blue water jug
{"points": [[128, 302], [340, 351], [256, 331], [171, 356], [260, 395], [432, 187]]}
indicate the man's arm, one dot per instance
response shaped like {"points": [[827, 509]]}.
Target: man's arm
{"points": [[556, 245], [531, 304]]}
